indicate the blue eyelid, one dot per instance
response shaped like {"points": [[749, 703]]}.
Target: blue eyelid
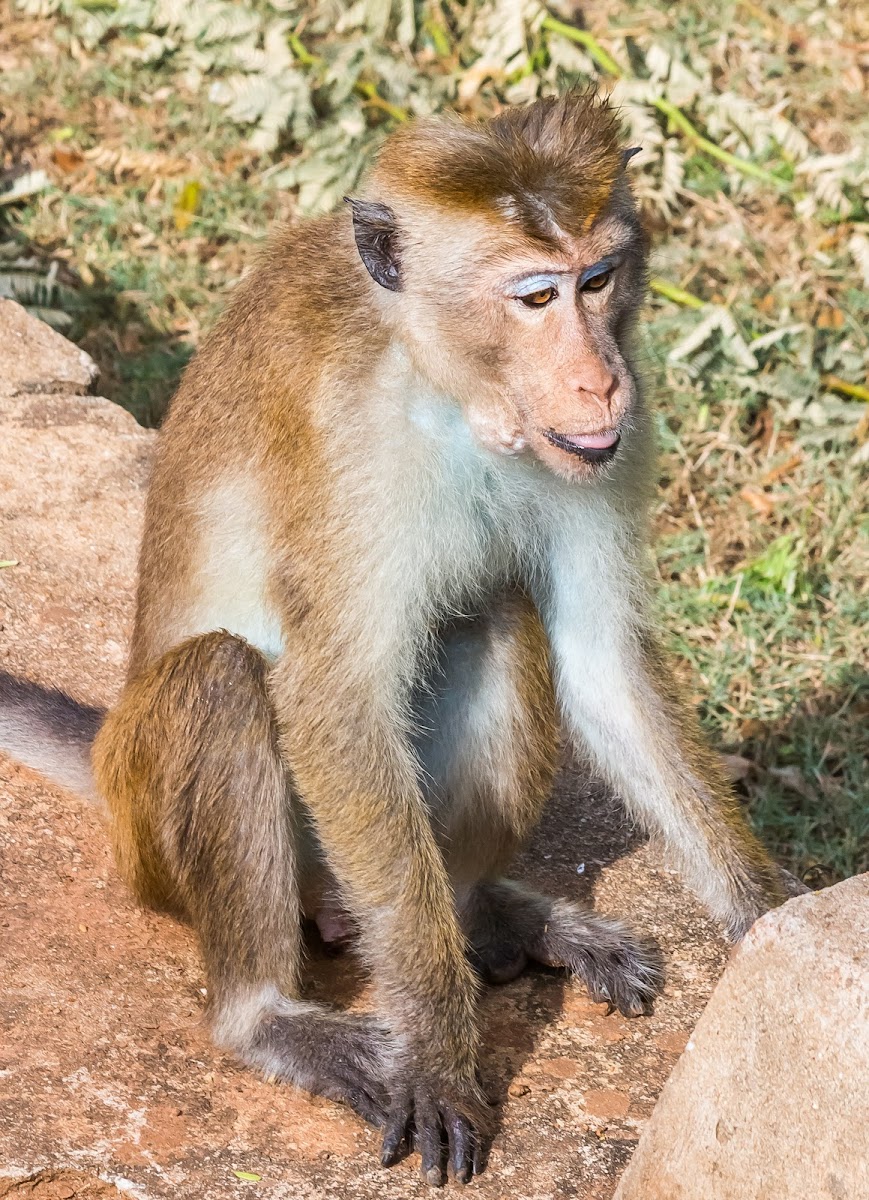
{"points": [[599, 268], [534, 283]]}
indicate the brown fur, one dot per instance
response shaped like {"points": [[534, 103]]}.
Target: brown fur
{"points": [[553, 163], [708, 800]]}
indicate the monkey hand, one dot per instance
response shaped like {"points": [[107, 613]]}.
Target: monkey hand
{"points": [[434, 1114], [762, 887]]}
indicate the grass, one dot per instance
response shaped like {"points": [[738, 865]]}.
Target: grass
{"points": [[158, 200]]}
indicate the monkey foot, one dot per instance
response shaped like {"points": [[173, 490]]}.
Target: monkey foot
{"points": [[617, 965], [337, 1055], [506, 926]]}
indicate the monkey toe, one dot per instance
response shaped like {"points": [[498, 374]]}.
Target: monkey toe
{"points": [[428, 1128], [395, 1135], [627, 975], [462, 1146]]}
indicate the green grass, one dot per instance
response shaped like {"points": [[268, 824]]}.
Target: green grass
{"points": [[160, 202]]}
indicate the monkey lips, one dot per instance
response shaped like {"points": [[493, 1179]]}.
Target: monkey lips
{"points": [[590, 447]]}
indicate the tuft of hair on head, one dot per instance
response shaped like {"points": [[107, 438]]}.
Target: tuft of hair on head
{"points": [[548, 166]]}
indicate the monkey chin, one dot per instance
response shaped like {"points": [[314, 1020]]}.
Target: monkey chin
{"points": [[574, 462]]}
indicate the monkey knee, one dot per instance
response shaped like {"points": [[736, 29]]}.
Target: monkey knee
{"points": [[223, 658], [216, 679], [167, 762]]}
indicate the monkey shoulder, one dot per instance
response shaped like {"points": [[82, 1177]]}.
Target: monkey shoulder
{"points": [[304, 314]]}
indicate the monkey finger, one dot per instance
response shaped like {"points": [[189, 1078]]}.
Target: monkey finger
{"points": [[429, 1136], [395, 1133], [792, 885], [462, 1140]]}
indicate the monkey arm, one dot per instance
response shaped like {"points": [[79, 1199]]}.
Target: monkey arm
{"points": [[356, 776], [354, 770], [624, 709]]}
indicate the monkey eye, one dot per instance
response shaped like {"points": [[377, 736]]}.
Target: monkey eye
{"points": [[597, 282], [540, 298]]}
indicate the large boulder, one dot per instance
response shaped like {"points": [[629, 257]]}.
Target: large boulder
{"points": [[107, 1072], [770, 1100]]}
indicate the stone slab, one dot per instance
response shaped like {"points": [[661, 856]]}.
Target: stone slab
{"points": [[35, 358]]}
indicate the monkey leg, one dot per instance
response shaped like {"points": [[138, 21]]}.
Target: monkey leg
{"points": [[203, 824], [507, 924], [489, 751]]}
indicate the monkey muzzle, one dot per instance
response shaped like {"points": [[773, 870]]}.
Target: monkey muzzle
{"points": [[592, 448]]}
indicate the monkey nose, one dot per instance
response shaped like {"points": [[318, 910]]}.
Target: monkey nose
{"points": [[595, 381]]}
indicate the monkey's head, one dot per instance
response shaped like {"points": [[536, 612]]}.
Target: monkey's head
{"points": [[511, 262]]}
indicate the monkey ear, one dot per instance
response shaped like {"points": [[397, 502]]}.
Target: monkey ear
{"points": [[628, 154], [376, 231]]}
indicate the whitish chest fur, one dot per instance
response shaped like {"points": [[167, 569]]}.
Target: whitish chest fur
{"points": [[464, 515], [427, 517]]}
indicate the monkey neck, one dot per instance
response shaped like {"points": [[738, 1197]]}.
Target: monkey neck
{"points": [[417, 394]]}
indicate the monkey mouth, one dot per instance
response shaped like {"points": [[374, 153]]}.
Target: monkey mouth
{"points": [[598, 447]]}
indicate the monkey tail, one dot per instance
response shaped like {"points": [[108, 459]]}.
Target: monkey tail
{"points": [[47, 730]]}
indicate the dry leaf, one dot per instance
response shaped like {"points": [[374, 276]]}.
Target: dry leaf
{"points": [[779, 472], [67, 158], [762, 502], [753, 729]]}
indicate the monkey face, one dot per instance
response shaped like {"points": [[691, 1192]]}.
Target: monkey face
{"points": [[511, 263], [564, 325], [533, 340]]}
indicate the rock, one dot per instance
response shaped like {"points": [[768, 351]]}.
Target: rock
{"points": [[59, 1185], [107, 1072], [36, 359], [770, 1100], [72, 475]]}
